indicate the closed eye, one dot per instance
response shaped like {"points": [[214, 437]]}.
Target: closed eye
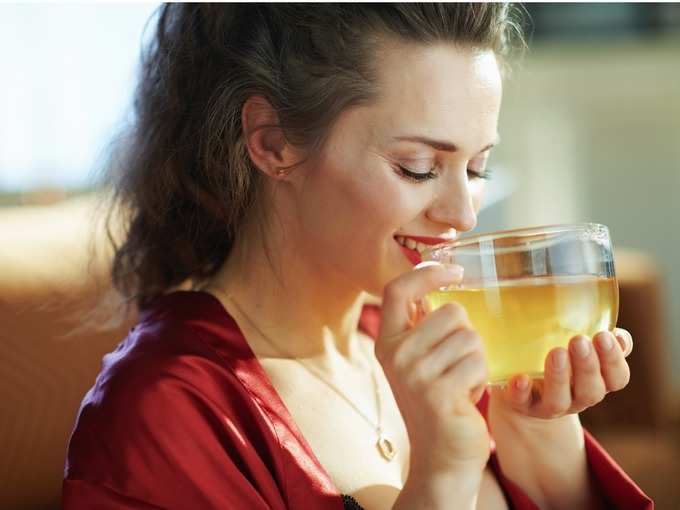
{"points": [[416, 176], [484, 174], [420, 177]]}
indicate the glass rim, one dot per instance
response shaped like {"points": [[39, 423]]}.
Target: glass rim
{"points": [[543, 229]]}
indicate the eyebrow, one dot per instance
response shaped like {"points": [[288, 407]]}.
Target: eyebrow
{"points": [[439, 144]]}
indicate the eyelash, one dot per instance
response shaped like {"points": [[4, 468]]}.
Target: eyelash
{"points": [[420, 177]]}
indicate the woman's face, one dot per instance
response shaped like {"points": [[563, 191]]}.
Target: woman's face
{"points": [[436, 116]]}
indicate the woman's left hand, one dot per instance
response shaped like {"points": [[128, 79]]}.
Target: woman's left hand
{"points": [[574, 380]]}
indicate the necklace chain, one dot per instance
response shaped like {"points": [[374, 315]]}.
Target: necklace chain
{"points": [[384, 445]]}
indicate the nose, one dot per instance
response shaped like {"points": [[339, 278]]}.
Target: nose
{"points": [[452, 205]]}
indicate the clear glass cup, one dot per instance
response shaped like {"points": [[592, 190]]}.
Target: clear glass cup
{"points": [[527, 291]]}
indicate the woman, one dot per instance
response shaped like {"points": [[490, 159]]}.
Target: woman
{"points": [[286, 161]]}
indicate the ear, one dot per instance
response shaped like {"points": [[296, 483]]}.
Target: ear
{"points": [[267, 145]]}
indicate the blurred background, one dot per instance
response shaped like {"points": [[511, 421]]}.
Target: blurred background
{"points": [[590, 131]]}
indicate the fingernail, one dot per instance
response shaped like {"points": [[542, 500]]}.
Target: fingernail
{"points": [[522, 383], [559, 360], [622, 342], [606, 342], [426, 263], [581, 347]]}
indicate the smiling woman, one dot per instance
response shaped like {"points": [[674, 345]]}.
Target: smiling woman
{"points": [[287, 161]]}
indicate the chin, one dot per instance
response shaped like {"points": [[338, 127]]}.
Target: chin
{"points": [[379, 279], [375, 276]]}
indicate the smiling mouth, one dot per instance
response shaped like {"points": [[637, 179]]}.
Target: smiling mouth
{"points": [[412, 255], [413, 248]]}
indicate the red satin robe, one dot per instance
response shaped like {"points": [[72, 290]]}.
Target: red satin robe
{"points": [[183, 416]]}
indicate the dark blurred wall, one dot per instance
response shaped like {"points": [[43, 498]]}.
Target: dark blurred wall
{"points": [[553, 21]]}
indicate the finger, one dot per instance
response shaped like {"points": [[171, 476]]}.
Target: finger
{"points": [[556, 397], [409, 288], [613, 366], [589, 387], [469, 373], [431, 331], [447, 353], [518, 391], [625, 340]]}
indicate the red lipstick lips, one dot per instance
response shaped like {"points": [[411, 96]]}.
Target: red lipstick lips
{"points": [[412, 255], [427, 240]]}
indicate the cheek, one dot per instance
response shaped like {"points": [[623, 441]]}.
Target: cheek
{"points": [[354, 213], [369, 208], [338, 205], [381, 208], [381, 204]]}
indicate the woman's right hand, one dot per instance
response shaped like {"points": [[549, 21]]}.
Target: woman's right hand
{"points": [[437, 371]]}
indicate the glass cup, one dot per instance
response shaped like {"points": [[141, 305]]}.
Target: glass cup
{"points": [[527, 291]]}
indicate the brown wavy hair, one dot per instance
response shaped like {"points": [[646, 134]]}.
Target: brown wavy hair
{"points": [[181, 179]]}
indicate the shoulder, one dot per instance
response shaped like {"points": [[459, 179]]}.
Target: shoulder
{"points": [[165, 388], [172, 349], [154, 360]]}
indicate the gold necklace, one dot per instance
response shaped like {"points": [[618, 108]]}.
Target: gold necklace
{"points": [[384, 445]]}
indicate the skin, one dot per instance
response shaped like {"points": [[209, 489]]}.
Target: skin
{"points": [[319, 231], [330, 222]]}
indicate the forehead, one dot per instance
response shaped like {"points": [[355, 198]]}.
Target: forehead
{"points": [[444, 91]]}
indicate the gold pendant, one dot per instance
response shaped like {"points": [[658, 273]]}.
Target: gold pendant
{"points": [[386, 447]]}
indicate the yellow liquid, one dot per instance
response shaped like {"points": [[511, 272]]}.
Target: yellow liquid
{"points": [[520, 321]]}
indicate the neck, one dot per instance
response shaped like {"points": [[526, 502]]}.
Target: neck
{"points": [[305, 310]]}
